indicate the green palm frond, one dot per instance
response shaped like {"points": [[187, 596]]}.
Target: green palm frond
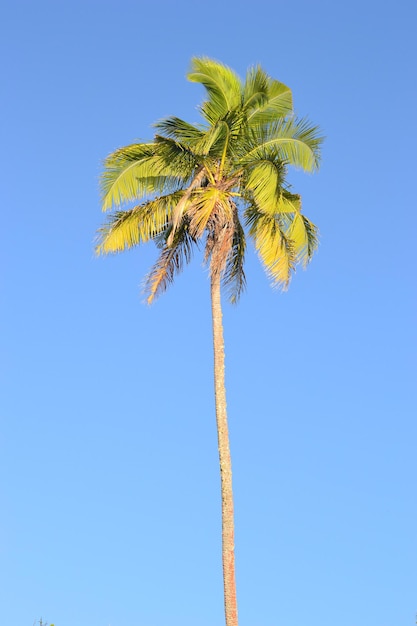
{"points": [[264, 181], [255, 90], [132, 172], [170, 263], [304, 235], [178, 158], [265, 99], [292, 141], [288, 202], [213, 141], [223, 87], [132, 152], [179, 130], [126, 229], [276, 250], [198, 140]]}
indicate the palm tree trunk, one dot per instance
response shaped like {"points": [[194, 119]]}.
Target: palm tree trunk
{"points": [[228, 543]]}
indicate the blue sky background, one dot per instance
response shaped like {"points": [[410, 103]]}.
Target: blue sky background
{"points": [[110, 489]]}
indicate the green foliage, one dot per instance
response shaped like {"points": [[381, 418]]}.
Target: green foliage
{"points": [[216, 183]]}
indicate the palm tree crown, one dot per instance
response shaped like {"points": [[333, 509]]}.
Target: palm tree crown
{"points": [[216, 183]]}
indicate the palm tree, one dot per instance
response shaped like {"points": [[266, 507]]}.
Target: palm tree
{"points": [[211, 185]]}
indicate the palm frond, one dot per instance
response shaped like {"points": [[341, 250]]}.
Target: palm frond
{"points": [[292, 141], [181, 207], [178, 158], [186, 137], [131, 152], [264, 98], [213, 141], [234, 278], [132, 172], [170, 263], [179, 130], [255, 89], [276, 250], [223, 87], [264, 181], [205, 203], [126, 229], [288, 202], [304, 235]]}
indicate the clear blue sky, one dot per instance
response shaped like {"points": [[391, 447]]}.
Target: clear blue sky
{"points": [[110, 509]]}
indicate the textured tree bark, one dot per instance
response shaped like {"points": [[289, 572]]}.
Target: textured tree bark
{"points": [[228, 543]]}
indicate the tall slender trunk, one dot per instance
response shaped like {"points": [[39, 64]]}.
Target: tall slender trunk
{"points": [[228, 531]]}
